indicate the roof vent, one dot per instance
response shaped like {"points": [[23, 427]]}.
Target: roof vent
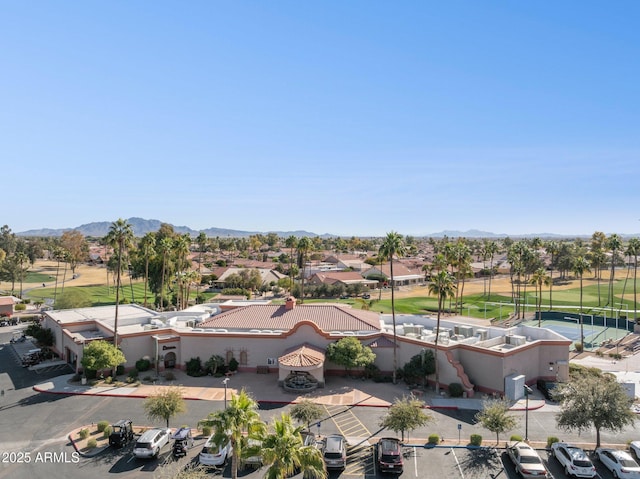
{"points": [[290, 303]]}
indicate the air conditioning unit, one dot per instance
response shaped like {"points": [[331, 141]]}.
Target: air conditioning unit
{"points": [[482, 334], [466, 331], [515, 340]]}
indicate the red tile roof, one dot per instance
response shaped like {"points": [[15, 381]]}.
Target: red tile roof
{"points": [[6, 300], [328, 317], [302, 356]]}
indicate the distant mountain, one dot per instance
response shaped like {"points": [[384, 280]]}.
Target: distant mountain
{"points": [[486, 234], [140, 227]]}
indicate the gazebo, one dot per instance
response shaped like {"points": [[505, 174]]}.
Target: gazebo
{"points": [[301, 368]]}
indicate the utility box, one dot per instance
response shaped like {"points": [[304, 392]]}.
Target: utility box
{"points": [[514, 386]]}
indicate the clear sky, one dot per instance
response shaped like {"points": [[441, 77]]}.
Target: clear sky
{"points": [[344, 117]]}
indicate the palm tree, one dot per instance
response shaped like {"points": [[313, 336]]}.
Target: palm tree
{"points": [[291, 242], [305, 245], [181, 246], [538, 279], [581, 266], [240, 418], [165, 247], [285, 455], [597, 257], [120, 237], [553, 248], [633, 249], [442, 286], [393, 245], [613, 244], [147, 248]]}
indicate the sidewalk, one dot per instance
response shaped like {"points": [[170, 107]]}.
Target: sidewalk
{"points": [[339, 391]]}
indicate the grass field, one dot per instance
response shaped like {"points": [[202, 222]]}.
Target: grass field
{"points": [[415, 300]]}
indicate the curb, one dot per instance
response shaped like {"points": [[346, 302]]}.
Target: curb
{"points": [[93, 453]]}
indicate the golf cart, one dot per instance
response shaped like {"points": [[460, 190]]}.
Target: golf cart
{"points": [[121, 433], [182, 441]]}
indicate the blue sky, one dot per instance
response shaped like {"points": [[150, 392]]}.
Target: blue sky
{"points": [[351, 118]]}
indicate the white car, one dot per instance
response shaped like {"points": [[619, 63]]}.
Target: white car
{"points": [[574, 460], [526, 460], [635, 448], [620, 463], [151, 441], [213, 455]]}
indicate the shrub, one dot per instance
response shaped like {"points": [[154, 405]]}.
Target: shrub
{"points": [[433, 439], [600, 354], [206, 431], [92, 443], [90, 373], [107, 432], [143, 364], [108, 380], [147, 378], [169, 376], [551, 440], [578, 347], [515, 437], [194, 367], [233, 364], [615, 356], [84, 433], [456, 390], [102, 425], [475, 440], [120, 370], [133, 373], [20, 307]]}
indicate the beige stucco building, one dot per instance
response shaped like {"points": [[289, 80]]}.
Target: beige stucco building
{"points": [[291, 339]]}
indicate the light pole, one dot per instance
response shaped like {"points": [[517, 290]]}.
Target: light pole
{"points": [[527, 391], [225, 381]]}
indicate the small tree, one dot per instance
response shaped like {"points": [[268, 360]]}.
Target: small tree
{"points": [[307, 411], [350, 353], [165, 405], [495, 417], [99, 355], [593, 402], [405, 414]]}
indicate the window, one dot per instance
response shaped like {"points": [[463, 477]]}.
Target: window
{"points": [[272, 361], [229, 356], [243, 358]]}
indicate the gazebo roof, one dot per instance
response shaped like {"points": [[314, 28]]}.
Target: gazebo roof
{"points": [[302, 356]]}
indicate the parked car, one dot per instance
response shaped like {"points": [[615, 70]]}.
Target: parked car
{"points": [[388, 455], [366, 296], [526, 460], [308, 438], [151, 442], [620, 463], [635, 448], [254, 461], [213, 455], [121, 433], [574, 460], [546, 388], [334, 451]]}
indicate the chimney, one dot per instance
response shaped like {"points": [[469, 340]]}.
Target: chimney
{"points": [[290, 303]]}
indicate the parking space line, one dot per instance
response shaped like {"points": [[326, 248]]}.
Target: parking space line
{"points": [[359, 450], [457, 463]]}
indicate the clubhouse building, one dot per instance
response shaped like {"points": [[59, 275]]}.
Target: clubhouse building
{"points": [[289, 341]]}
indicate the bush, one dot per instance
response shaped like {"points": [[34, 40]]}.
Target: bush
{"points": [[551, 440], [169, 376], [92, 443], [578, 346], [133, 373], [206, 431], [433, 439], [102, 425], [90, 373], [194, 367], [475, 440], [617, 356], [20, 307], [456, 390], [84, 433], [516, 437], [107, 432], [600, 354], [233, 364], [143, 364], [108, 380], [120, 370]]}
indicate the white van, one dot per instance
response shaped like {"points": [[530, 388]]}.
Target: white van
{"points": [[151, 441]]}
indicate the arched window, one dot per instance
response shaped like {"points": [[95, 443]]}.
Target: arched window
{"points": [[229, 355], [243, 358]]}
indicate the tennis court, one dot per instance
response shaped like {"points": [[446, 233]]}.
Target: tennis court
{"points": [[594, 335]]}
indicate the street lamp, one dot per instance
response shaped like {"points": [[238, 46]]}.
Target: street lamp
{"points": [[527, 391], [225, 381]]}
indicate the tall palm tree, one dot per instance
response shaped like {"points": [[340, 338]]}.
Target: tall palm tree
{"points": [[613, 244], [597, 257], [181, 248], [240, 418], [120, 237], [581, 266], [490, 249], [147, 248], [540, 278], [442, 286], [291, 242], [164, 248], [633, 249], [393, 245], [305, 245], [552, 248], [285, 455]]}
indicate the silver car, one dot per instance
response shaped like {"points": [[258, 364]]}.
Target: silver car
{"points": [[526, 460]]}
